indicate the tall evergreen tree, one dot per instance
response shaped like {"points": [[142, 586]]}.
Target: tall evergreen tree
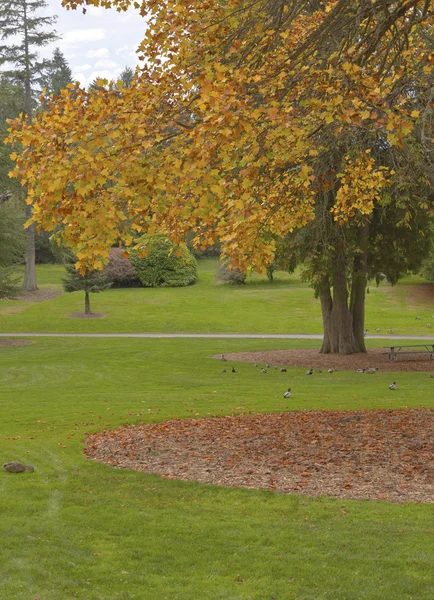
{"points": [[57, 74], [126, 76], [23, 29], [11, 104]]}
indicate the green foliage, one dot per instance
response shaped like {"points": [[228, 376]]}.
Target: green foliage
{"points": [[166, 265], [47, 251], [24, 28], [227, 273], [120, 271], [12, 244], [11, 104], [57, 74], [94, 281]]}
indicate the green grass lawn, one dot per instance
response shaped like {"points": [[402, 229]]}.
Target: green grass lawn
{"points": [[286, 306], [78, 529]]}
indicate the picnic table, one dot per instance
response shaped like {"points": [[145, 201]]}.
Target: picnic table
{"points": [[395, 351]]}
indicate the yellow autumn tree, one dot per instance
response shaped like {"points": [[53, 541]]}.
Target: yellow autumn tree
{"points": [[248, 120]]}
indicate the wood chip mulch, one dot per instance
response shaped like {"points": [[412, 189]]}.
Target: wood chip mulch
{"points": [[39, 295], [362, 455], [311, 358], [8, 343]]}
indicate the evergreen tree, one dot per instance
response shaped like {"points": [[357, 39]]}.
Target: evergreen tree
{"points": [[12, 244], [90, 282], [11, 104], [22, 25], [57, 74], [126, 76]]}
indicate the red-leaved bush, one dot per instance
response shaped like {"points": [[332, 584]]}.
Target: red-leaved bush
{"points": [[120, 271]]}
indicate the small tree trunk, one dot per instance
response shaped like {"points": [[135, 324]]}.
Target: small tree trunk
{"points": [[29, 283], [86, 303]]}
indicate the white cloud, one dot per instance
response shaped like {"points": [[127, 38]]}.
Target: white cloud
{"points": [[97, 53], [104, 63], [95, 11], [83, 35], [85, 67]]}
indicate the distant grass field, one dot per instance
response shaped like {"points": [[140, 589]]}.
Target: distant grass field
{"points": [[286, 306], [78, 529]]}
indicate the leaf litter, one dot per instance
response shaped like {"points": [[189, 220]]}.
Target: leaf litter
{"points": [[361, 455]]}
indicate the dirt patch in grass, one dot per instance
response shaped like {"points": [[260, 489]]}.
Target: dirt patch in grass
{"points": [[420, 295], [8, 343], [311, 358], [361, 455], [82, 315], [38, 295]]}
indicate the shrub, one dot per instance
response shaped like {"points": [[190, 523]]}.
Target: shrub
{"points": [[227, 273], [166, 265], [120, 271]]}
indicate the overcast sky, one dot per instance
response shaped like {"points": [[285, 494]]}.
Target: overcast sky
{"points": [[100, 43]]}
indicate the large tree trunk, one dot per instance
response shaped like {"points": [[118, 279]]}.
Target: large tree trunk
{"points": [[29, 283], [87, 303], [358, 289], [344, 323]]}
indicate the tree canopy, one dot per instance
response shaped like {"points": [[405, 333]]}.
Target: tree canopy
{"points": [[244, 115]]}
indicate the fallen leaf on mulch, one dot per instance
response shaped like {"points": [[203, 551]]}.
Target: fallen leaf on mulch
{"points": [[365, 455]]}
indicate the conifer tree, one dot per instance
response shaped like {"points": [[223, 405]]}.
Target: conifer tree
{"points": [[23, 29], [57, 74], [90, 282]]}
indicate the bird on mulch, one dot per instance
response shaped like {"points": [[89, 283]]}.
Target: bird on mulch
{"points": [[233, 370], [310, 372], [287, 394], [392, 386], [16, 467]]}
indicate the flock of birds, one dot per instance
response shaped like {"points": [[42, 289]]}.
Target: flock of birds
{"points": [[377, 330], [311, 371]]}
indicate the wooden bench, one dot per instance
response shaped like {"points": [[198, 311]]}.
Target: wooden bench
{"points": [[395, 351]]}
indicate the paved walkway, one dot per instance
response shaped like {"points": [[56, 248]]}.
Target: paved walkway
{"points": [[237, 336]]}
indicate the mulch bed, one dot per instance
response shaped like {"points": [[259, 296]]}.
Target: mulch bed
{"points": [[82, 315], [311, 358], [38, 295], [362, 455], [8, 343]]}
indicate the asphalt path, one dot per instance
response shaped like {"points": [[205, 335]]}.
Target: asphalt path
{"points": [[237, 336]]}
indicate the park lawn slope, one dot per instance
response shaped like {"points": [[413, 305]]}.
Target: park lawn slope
{"points": [[286, 306], [79, 529]]}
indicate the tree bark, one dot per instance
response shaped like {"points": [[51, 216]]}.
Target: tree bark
{"points": [[87, 310], [343, 321], [29, 283], [358, 289]]}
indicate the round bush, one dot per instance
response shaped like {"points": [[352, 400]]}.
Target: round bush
{"points": [[120, 270], [166, 264]]}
